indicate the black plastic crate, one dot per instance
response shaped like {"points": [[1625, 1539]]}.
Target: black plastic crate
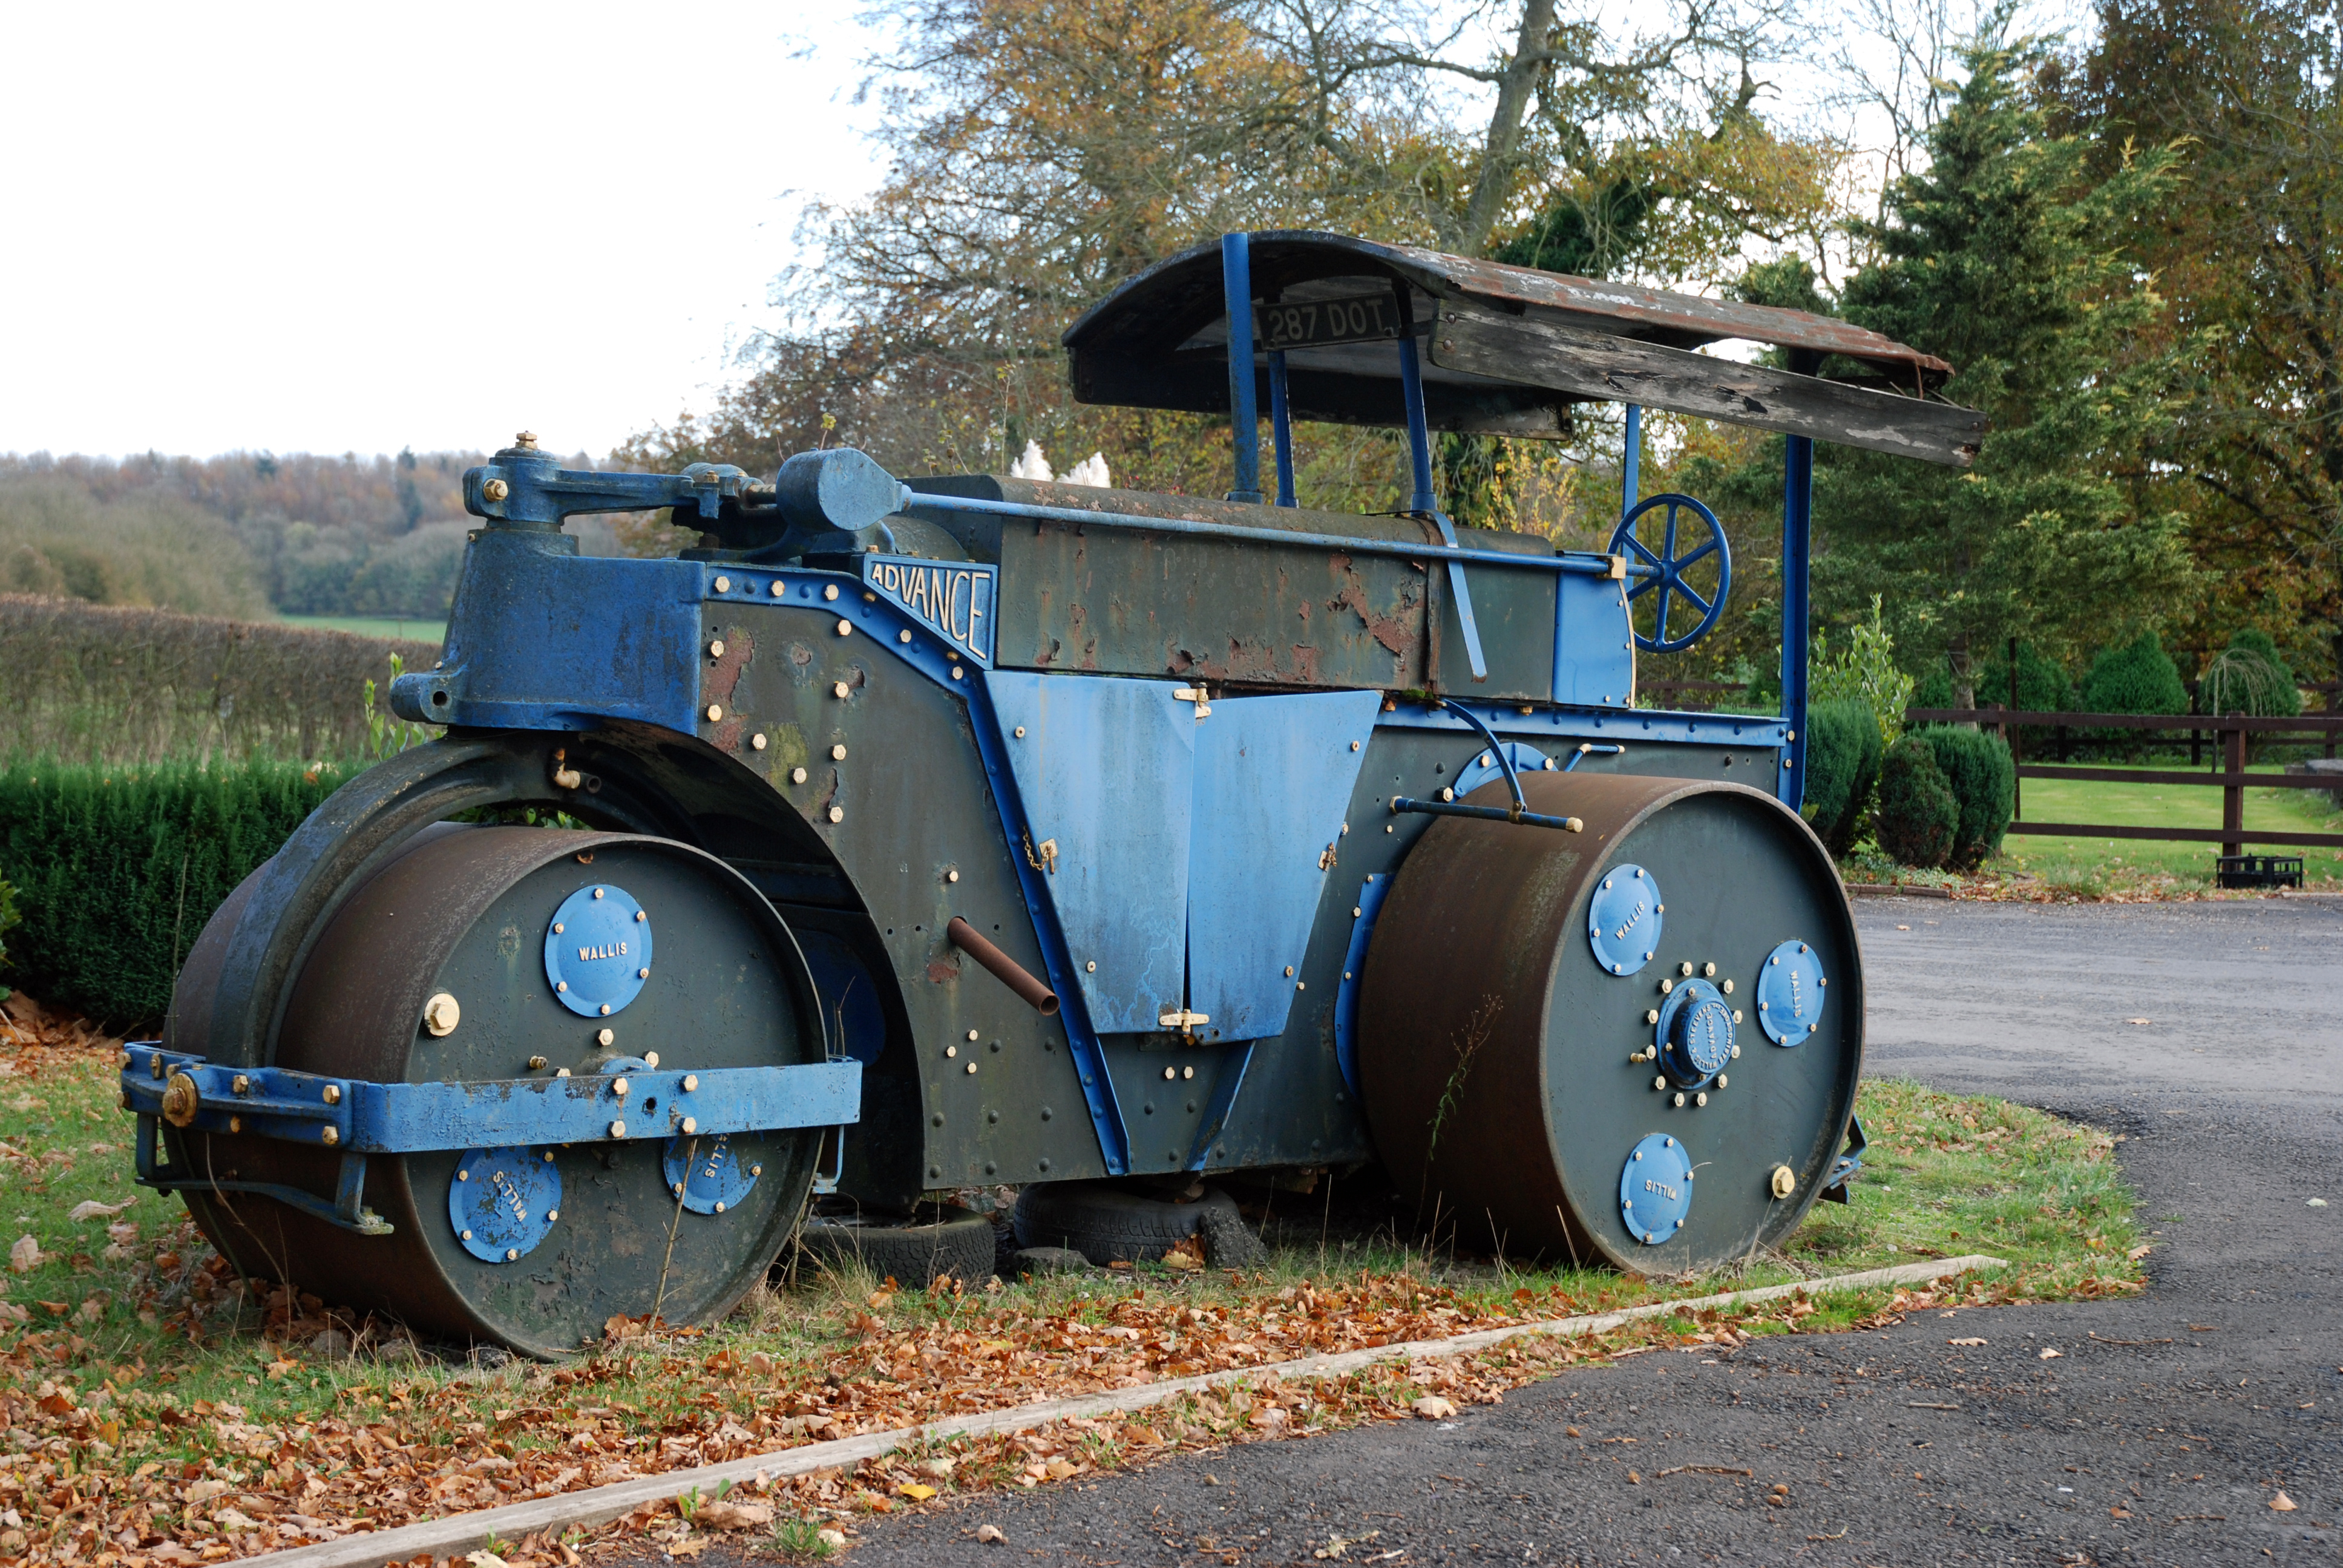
{"points": [[2258, 872]]}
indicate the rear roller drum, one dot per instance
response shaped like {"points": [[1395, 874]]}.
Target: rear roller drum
{"points": [[1635, 1045], [480, 953]]}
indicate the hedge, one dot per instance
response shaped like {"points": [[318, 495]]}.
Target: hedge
{"points": [[1842, 756], [2137, 677], [115, 869], [108, 684]]}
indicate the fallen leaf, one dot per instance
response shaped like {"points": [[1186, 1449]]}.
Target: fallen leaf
{"points": [[485, 1560], [1965, 1342], [24, 1256], [720, 1515], [991, 1534], [834, 1538], [2047, 1354], [690, 1546], [2137, 1253], [203, 1492], [1432, 1407], [915, 1490], [2282, 1503], [91, 1209], [1059, 1470], [237, 1519], [2138, 1020]]}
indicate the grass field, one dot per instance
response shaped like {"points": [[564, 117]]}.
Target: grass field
{"points": [[2119, 862], [431, 631]]}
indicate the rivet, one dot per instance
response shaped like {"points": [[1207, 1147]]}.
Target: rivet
{"points": [[606, 1010], [1667, 1143], [1721, 1081], [971, 1067], [463, 1175], [1289, 971], [716, 648], [837, 689], [535, 1063], [756, 1170], [1708, 969], [1300, 985], [1701, 1098], [756, 741], [1020, 732], [618, 1129], [846, 628], [466, 1235], [1737, 1018], [441, 1014], [1679, 1101], [838, 814], [719, 1205], [551, 1215], [951, 1052], [1728, 988], [691, 1126], [779, 590], [797, 775], [560, 1073], [690, 1083], [330, 1135], [154, 1065], [1092, 968], [902, 636], [618, 1087], [607, 1037], [1659, 1083], [829, 591], [243, 1085], [1652, 1015], [1354, 746], [1168, 1074], [870, 597], [951, 876], [838, 754], [557, 928], [642, 974], [1667, 985], [333, 1094], [1687, 968], [512, 1255], [548, 1157], [651, 1058], [495, 490], [723, 585], [1776, 960], [1736, 1050]]}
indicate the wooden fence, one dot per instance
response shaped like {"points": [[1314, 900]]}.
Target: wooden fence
{"points": [[2230, 775]]}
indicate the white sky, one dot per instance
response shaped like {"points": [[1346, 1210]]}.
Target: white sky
{"points": [[329, 228], [335, 228]]}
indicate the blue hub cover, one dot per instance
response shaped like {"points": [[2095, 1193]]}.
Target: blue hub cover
{"points": [[1655, 1190], [1695, 1033], [504, 1201], [1623, 920], [723, 1168], [1790, 994], [597, 951]]}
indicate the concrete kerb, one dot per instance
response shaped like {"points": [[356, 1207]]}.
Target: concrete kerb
{"points": [[463, 1532]]}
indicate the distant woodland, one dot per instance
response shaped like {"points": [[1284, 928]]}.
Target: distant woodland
{"points": [[247, 535]]}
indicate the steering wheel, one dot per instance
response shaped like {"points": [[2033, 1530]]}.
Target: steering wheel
{"points": [[1668, 570]]}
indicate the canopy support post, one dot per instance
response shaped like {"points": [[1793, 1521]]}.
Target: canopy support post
{"points": [[1280, 428], [1244, 409], [1423, 503], [1631, 463], [1797, 526]]}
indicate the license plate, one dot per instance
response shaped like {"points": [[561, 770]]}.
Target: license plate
{"points": [[1319, 323]]}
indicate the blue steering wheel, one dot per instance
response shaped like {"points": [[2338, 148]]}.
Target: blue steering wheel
{"points": [[1668, 570]]}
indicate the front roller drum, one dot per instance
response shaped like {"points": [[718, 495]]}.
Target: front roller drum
{"points": [[483, 953], [1635, 1045]]}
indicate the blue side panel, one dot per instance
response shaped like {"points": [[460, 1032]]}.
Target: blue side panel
{"points": [[1593, 642], [541, 639], [1274, 775], [1105, 769]]}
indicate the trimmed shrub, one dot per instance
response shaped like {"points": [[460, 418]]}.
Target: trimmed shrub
{"points": [[117, 869], [1918, 812], [1843, 754], [2137, 677], [1984, 781]]}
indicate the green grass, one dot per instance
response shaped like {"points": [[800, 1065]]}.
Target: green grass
{"points": [[2117, 863], [433, 631]]}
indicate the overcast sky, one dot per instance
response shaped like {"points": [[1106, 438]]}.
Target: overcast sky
{"points": [[328, 228]]}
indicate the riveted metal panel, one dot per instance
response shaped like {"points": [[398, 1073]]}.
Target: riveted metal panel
{"points": [[1106, 770], [1273, 779]]}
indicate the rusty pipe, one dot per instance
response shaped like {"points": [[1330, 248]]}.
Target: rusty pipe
{"points": [[1006, 970]]}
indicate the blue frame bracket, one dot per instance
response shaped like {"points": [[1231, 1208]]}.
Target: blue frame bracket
{"points": [[1244, 405]]}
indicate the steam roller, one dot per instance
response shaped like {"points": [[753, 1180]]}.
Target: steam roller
{"points": [[905, 836]]}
